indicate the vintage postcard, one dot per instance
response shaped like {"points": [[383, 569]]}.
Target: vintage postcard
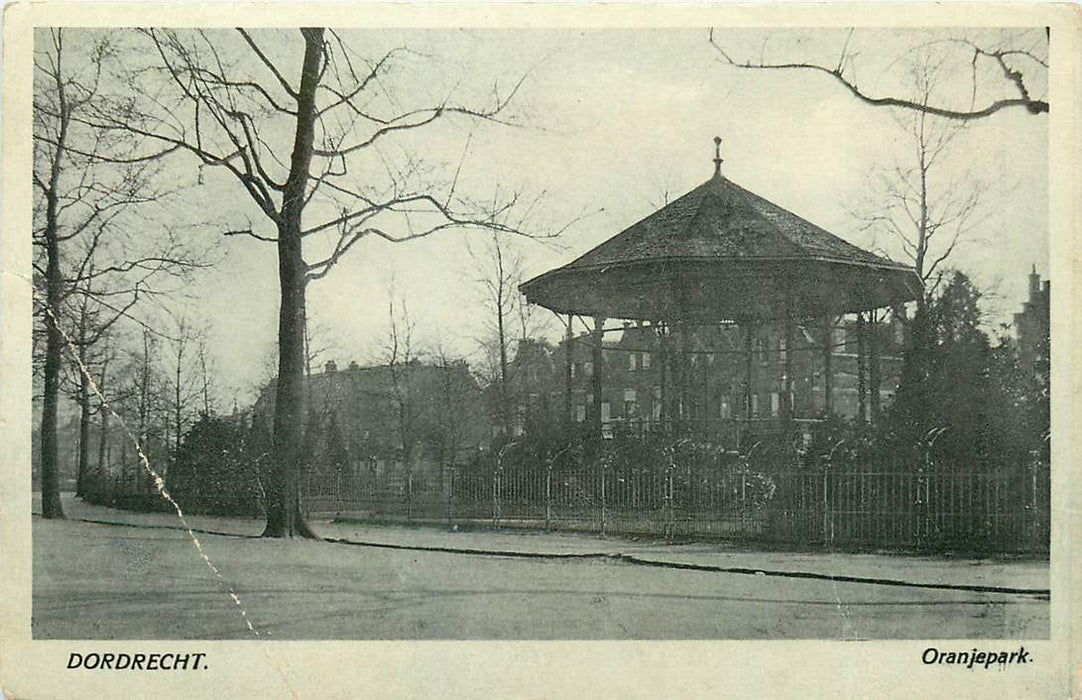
{"points": [[540, 351]]}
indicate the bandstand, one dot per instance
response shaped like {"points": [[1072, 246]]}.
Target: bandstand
{"points": [[723, 256]]}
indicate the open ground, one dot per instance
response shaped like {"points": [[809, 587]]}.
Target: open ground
{"points": [[108, 574]]}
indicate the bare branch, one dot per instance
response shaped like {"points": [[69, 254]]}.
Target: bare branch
{"points": [[252, 234], [1031, 105], [269, 64]]}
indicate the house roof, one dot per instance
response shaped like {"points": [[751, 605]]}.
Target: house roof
{"points": [[336, 387], [722, 252]]}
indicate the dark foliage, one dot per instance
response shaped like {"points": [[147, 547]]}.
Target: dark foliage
{"points": [[219, 468], [962, 403]]}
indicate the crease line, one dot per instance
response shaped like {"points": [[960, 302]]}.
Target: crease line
{"points": [[1042, 593], [159, 483]]}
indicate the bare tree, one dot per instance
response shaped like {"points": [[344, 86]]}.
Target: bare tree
{"points": [[87, 181], [88, 332], [1006, 66], [402, 359], [206, 370], [500, 271], [229, 101], [916, 208], [454, 409], [189, 381], [104, 453], [141, 394], [508, 320]]}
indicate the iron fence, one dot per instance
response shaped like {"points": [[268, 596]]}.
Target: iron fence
{"points": [[922, 509], [929, 508]]}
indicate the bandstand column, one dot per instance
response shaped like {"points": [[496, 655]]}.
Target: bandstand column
{"points": [[749, 332], [569, 336], [598, 362], [862, 386], [787, 403], [663, 373], [828, 365], [683, 400], [873, 366]]}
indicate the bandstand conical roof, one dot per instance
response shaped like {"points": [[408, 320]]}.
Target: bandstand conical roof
{"points": [[719, 253]]}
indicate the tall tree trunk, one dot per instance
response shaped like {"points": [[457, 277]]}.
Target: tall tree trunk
{"points": [[284, 517], [176, 407], [144, 393], [505, 399], [83, 468], [103, 436], [206, 379], [50, 463]]}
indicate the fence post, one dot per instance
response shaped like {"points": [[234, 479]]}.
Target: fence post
{"points": [[1035, 505], [744, 503], [409, 496], [496, 496], [548, 496], [451, 496], [339, 500], [669, 515], [828, 525], [603, 513]]}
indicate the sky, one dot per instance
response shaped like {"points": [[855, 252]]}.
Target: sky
{"points": [[610, 124]]}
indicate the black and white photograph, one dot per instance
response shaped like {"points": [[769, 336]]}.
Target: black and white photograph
{"points": [[405, 332]]}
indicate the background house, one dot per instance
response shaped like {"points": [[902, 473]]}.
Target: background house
{"points": [[715, 366], [410, 419], [1033, 328]]}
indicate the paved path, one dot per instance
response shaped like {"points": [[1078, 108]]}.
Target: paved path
{"points": [[94, 580], [1006, 573]]}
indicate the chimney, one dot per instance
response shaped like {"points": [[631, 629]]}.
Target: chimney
{"points": [[1034, 284], [353, 364], [330, 367]]}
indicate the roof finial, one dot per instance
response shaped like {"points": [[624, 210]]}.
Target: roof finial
{"points": [[717, 156]]}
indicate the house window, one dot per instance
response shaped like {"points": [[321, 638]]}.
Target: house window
{"points": [[588, 368], [754, 404], [630, 408], [726, 408], [759, 349], [580, 413], [645, 360], [606, 412], [709, 358], [631, 361], [574, 369], [775, 402]]}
